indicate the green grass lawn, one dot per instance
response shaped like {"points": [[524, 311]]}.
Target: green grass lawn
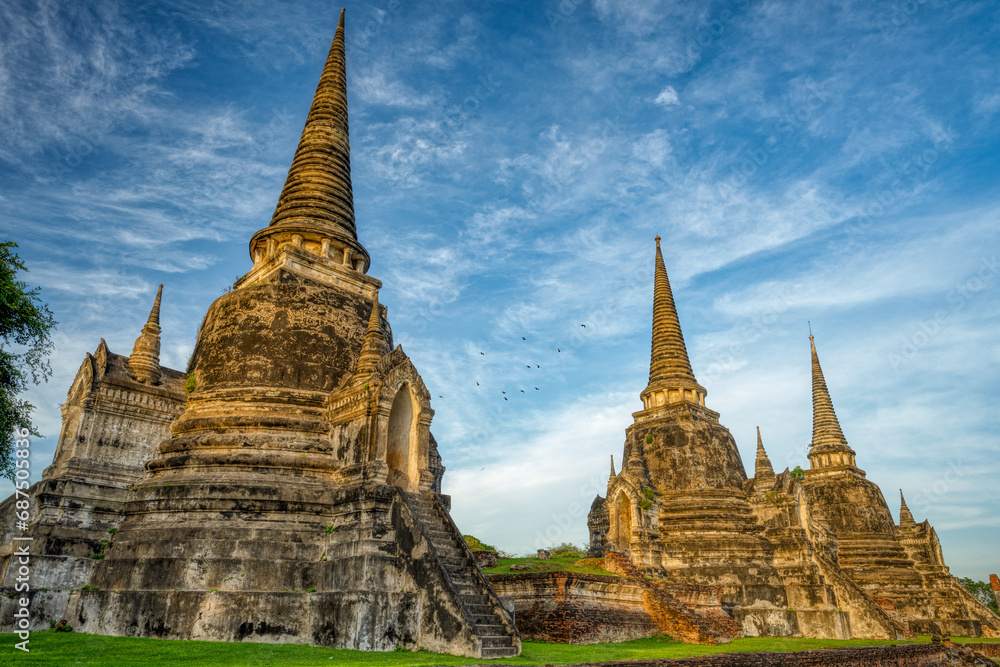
{"points": [[555, 564], [54, 648]]}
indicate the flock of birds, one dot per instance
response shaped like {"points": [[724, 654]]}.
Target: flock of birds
{"points": [[528, 366]]}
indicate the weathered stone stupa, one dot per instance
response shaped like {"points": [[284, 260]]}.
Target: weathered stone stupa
{"points": [[297, 497], [794, 555], [118, 410], [679, 506], [901, 566]]}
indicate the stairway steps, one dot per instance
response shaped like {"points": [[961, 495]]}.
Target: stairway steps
{"points": [[447, 552], [473, 592], [482, 619], [478, 600], [495, 641]]}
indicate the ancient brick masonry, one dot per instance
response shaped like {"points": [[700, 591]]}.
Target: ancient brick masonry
{"points": [[995, 585], [579, 608]]}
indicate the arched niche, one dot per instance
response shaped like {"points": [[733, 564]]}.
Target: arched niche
{"points": [[622, 520], [401, 443]]}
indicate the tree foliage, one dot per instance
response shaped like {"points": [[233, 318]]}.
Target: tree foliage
{"points": [[476, 545], [982, 590], [26, 324]]}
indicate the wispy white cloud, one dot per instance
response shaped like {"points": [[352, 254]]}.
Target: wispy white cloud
{"points": [[667, 97]]}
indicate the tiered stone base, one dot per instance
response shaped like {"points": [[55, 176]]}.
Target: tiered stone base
{"points": [[345, 567]]}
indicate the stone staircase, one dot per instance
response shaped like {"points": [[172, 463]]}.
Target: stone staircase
{"points": [[492, 624]]}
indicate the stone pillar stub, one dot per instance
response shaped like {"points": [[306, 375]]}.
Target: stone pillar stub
{"points": [[995, 584]]}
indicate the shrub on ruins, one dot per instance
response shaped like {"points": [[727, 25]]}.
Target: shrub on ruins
{"points": [[982, 590], [26, 324], [476, 545], [567, 550]]}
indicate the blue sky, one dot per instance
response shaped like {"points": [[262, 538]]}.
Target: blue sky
{"points": [[826, 162]]}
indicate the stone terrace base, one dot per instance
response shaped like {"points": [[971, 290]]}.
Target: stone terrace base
{"points": [[362, 567], [928, 655]]}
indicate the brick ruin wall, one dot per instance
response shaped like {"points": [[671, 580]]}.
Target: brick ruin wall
{"points": [[867, 656], [576, 608]]}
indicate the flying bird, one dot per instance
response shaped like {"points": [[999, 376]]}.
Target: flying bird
{"points": [[522, 391], [584, 326], [557, 350], [505, 398], [440, 396], [523, 338], [536, 388], [537, 366], [477, 384], [528, 366], [483, 353], [503, 392]]}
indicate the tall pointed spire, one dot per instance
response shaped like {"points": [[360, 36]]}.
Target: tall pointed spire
{"points": [[671, 379], [829, 446], [905, 517], [762, 466], [613, 473], [145, 358], [317, 202], [374, 346]]}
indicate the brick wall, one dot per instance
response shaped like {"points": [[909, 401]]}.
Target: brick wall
{"points": [[992, 650], [578, 608], [575, 608], [867, 656]]}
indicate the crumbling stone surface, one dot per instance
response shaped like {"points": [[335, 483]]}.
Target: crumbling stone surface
{"points": [[485, 559]]}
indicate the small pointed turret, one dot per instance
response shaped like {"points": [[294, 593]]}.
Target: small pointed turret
{"points": [[671, 379], [905, 517], [762, 466], [613, 474], [829, 446], [316, 206], [375, 346], [145, 359]]}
